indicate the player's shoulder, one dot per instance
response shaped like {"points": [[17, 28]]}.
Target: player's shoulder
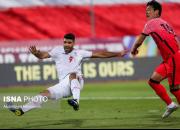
{"points": [[149, 21], [58, 48], [160, 20], [156, 21], [81, 51]]}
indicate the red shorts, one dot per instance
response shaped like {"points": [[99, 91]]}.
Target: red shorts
{"points": [[171, 69]]}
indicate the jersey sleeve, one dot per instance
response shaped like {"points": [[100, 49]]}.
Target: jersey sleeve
{"points": [[147, 30], [54, 52], [85, 54]]}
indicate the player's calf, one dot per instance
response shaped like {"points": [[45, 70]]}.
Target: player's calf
{"points": [[175, 90]]}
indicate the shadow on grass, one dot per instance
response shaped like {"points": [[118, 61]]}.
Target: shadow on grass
{"points": [[156, 121], [152, 121], [72, 122]]}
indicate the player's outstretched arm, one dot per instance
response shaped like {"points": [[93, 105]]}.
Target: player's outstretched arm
{"points": [[39, 54], [137, 44], [106, 54]]}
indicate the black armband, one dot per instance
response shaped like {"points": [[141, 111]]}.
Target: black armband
{"points": [[144, 34]]}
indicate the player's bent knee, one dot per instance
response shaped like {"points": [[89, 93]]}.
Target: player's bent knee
{"points": [[174, 88], [45, 93], [72, 76]]}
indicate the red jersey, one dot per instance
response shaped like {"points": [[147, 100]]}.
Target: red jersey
{"points": [[163, 35]]}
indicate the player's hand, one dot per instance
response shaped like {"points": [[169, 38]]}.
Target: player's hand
{"points": [[124, 52], [33, 50]]}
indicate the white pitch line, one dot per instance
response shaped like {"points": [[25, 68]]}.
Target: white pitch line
{"points": [[119, 98]]}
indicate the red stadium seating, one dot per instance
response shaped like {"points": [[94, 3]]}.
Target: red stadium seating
{"points": [[53, 21]]}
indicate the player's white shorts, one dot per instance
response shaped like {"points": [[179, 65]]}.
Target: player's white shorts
{"points": [[63, 89]]}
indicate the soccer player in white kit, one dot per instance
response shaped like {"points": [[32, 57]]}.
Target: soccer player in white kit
{"points": [[68, 64]]}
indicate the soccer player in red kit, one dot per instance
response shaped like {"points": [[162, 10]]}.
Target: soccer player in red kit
{"points": [[168, 45]]}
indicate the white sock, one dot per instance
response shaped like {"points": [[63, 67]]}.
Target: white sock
{"points": [[171, 105], [75, 89], [34, 103]]}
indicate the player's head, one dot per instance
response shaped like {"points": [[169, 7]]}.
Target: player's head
{"points": [[69, 40], [153, 9]]}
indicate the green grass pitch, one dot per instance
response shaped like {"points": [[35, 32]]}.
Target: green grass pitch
{"points": [[103, 105]]}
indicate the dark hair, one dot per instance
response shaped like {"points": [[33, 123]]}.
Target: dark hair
{"points": [[155, 5], [70, 36]]}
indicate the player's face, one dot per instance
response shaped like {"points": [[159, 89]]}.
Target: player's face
{"points": [[68, 45], [151, 13]]}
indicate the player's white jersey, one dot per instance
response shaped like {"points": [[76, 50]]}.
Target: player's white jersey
{"points": [[68, 63]]}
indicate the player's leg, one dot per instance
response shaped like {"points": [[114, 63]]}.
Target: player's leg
{"points": [[58, 91], [67, 88], [35, 102], [174, 80], [164, 71], [75, 89], [75, 86], [158, 75], [174, 89]]}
